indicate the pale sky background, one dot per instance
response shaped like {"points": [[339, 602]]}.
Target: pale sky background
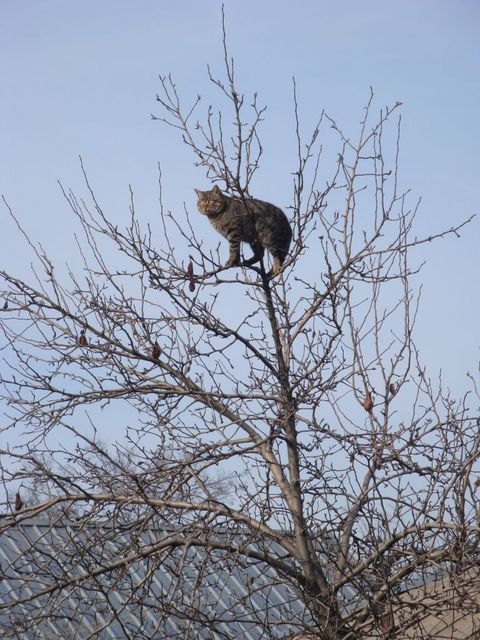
{"points": [[80, 78]]}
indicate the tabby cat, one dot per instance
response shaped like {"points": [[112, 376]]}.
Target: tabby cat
{"points": [[261, 224]]}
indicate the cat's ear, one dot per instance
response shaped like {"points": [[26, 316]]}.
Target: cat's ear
{"points": [[216, 189], [197, 191]]}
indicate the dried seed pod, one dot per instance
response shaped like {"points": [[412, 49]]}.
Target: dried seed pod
{"points": [[18, 502], [368, 402], [191, 276], [156, 351]]}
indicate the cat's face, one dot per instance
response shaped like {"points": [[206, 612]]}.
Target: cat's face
{"points": [[210, 202]]}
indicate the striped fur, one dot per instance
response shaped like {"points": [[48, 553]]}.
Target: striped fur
{"points": [[261, 224]]}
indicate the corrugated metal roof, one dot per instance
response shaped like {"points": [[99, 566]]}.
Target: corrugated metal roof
{"points": [[183, 593], [138, 588]]}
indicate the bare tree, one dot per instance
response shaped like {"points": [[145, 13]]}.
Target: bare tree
{"points": [[299, 431]]}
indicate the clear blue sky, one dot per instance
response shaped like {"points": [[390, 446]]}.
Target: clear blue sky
{"points": [[81, 78]]}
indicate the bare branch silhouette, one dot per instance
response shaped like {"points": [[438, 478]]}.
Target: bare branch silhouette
{"points": [[154, 394]]}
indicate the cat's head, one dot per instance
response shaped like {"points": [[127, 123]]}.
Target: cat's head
{"points": [[210, 202]]}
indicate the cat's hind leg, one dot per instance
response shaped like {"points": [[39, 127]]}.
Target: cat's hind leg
{"points": [[258, 252], [278, 258]]}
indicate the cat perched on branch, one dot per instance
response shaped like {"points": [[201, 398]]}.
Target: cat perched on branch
{"points": [[261, 224]]}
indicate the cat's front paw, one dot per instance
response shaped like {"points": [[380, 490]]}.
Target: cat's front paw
{"points": [[233, 262]]}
